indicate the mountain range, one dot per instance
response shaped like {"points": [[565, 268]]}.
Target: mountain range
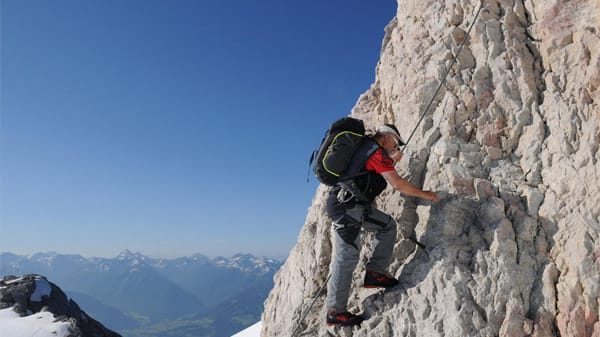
{"points": [[137, 295]]}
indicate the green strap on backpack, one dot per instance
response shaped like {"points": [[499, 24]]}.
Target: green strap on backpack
{"points": [[341, 140]]}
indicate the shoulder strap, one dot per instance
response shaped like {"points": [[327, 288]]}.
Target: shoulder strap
{"points": [[359, 159]]}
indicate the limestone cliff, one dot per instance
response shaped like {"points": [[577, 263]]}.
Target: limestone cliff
{"points": [[511, 144]]}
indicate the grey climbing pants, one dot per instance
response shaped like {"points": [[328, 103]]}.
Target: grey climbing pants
{"points": [[347, 226]]}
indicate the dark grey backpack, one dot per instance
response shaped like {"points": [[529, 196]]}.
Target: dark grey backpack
{"points": [[343, 138]]}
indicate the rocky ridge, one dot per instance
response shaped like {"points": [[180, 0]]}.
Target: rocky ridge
{"points": [[511, 142], [32, 294]]}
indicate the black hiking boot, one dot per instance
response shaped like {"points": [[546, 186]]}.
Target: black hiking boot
{"points": [[343, 318], [374, 279]]}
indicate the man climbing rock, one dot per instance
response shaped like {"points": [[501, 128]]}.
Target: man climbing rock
{"points": [[350, 208]]}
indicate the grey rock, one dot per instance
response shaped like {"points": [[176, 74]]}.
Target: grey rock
{"points": [[513, 249], [33, 293]]}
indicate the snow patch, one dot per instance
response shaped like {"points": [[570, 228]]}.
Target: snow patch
{"points": [[39, 325], [251, 331], [14, 281]]}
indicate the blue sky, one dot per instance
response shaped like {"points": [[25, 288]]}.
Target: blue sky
{"points": [[172, 127]]}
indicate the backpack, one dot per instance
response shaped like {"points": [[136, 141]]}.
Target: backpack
{"points": [[343, 138]]}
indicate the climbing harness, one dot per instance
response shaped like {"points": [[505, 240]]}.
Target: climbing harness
{"points": [[422, 116]]}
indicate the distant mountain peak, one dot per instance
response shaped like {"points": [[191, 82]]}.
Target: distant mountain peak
{"points": [[134, 262], [243, 256], [47, 256], [199, 256], [128, 255], [131, 290]]}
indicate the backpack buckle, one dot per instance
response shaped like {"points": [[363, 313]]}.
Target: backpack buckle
{"points": [[344, 195], [351, 191]]}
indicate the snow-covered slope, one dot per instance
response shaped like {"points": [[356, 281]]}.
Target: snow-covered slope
{"points": [[41, 324], [32, 306], [251, 331]]}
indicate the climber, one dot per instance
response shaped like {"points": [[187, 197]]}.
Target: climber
{"points": [[349, 205]]}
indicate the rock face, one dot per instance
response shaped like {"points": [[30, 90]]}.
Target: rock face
{"points": [[511, 143], [33, 293]]}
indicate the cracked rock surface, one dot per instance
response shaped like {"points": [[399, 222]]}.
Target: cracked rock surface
{"points": [[511, 143]]}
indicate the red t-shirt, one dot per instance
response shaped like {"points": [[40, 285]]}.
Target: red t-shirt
{"points": [[380, 162]]}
